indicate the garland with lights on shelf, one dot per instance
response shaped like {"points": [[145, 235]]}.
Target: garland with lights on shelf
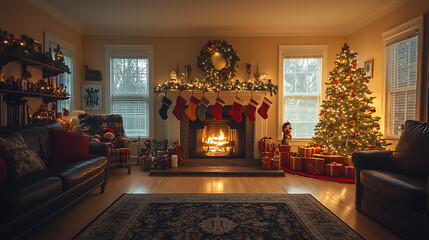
{"points": [[228, 53], [346, 123], [207, 86], [29, 48]]}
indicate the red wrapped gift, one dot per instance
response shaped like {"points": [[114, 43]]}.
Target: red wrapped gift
{"points": [[329, 158], [304, 164], [284, 148], [285, 159], [275, 164], [333, 169], [266, 163], [267, 154], [308, 151], [349, 172], [348, 161], [295, 164], [316, 166]]}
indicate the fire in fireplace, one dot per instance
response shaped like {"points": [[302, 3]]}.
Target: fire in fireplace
{"points": [[212, 138]]}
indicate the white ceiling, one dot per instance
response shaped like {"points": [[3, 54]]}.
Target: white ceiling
{"points": [[217, 17]]}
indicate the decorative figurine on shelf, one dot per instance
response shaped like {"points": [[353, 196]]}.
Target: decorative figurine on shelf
{"points": [[287, 130], [173, 76]]}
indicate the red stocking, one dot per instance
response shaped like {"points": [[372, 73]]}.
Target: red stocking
{"points": [[251, 109], [217, 109], [178, 109], [263, 110], [235, 111]]}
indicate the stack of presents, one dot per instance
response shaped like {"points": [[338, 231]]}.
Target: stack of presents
{"points": [[308, 160]]}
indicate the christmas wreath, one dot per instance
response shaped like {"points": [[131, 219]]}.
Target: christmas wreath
{"points": [[227, 52]]}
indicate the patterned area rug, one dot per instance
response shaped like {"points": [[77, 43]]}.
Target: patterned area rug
{"points": [[217, 216]]}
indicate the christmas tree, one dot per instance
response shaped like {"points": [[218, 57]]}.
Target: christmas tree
{"points": [[346, 122]]}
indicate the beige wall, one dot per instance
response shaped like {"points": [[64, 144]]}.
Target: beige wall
{"points": [[20, 17], [367, 41], [170, 50]]}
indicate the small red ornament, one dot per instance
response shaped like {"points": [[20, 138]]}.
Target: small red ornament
{"points": [[323, 113], [352, 122], [356, 149], [340, 99], [354, 65], [378, 128], [335, 81]]}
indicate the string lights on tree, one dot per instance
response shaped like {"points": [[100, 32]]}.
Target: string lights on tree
{"points": [[346, 122]]}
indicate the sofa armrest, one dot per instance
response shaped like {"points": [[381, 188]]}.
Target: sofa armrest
{"points": [[367, 160], [101, 149], [370, 160], [126, 142]]}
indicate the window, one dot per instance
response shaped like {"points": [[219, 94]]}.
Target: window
{"points": [[65, 79], [301, 71], [130, 89], [402, 76]]}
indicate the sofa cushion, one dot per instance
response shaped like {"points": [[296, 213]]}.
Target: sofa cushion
{"points": [[74, 173], [412, 154], [19, 158], [23, 194], [68, 147], [402, 189]]}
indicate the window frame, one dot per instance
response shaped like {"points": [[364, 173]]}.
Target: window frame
{"points": [[68, 50], [412, 28], [297, 51], [124, 51]]}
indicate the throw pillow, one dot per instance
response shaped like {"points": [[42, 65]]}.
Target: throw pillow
{"points": [[412, 153], [68, 147], [19, 158], [3, 170]]}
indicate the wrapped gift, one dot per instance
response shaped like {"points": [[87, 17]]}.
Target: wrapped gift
{"points": [[266, 163], [267, 154], [304, 164], [285, 159], [349, 172], [308, 151], [295, 164], [329, 158], [316, 166], [333, 169], [275, 163], [348, 161], [284, 148]]}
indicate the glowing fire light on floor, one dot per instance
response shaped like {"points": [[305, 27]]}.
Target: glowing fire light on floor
{"points": [[217, 143]]}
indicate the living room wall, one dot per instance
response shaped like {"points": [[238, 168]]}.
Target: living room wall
{"points": [[170, 50], [367, 41], [21, 17]]}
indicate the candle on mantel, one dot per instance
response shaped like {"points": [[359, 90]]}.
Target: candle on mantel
{"points": [[174, 161]]}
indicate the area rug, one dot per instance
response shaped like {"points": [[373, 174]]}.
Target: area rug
{"points": [[217, 216], [335, 179]]}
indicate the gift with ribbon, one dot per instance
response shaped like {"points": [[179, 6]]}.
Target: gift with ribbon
{"points": [[275, 163], [333, 169], [316, 166], [295, 164], [266, 163], [349, 172], [308, 151]]}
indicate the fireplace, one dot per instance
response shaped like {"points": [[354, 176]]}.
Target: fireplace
{"points": [[217, 139]]}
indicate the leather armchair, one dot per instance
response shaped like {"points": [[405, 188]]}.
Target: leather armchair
{"points": [[392, 187]]}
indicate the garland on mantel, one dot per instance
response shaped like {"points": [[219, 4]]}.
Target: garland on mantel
{"points": [[217, 86]]}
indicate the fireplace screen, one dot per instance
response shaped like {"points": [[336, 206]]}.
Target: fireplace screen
{"points": [[213, 138]]}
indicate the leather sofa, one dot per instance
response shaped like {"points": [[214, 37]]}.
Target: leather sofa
{"points": [[392, 186], [27, 201]]}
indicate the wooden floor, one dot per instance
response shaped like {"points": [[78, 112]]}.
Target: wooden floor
{"points": [[338, 197]]}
